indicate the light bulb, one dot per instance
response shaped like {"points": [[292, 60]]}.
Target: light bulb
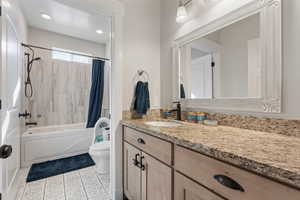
{"points": [[181, 13], [46, 16], [99, 31]]}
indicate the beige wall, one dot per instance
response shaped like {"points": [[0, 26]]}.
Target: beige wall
{"points": [[291, 49], [50, 39], [141, 47]]}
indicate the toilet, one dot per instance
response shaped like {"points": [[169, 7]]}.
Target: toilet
{"points": [[100, 150]]}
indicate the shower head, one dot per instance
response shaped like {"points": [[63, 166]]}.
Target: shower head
{"points": [[35, 59]]}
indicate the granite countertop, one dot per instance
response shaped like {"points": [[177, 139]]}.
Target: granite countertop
{"points": [[269, 154]]}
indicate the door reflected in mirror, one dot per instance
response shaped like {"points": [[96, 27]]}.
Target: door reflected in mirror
{"points": [[224, 64]]}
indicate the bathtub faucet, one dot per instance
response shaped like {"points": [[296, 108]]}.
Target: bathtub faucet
{"points": [[31, 123]]}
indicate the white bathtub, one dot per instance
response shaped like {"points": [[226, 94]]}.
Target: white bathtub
{"points": [[53, 142]]}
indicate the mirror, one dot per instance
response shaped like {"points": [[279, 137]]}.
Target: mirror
{"points": [[232, 62], [223, 64]]}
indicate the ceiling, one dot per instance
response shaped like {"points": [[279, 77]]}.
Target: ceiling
{"points": [[67, 20]]}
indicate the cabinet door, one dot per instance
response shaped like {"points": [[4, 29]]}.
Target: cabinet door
{"points": [[156, 179], [132, 174], [186, 189]]}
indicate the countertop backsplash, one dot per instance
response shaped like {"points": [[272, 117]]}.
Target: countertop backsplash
{"points": [[271, 125]]}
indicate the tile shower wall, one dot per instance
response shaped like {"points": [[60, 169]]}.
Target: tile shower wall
{"points": [[61, 91]]}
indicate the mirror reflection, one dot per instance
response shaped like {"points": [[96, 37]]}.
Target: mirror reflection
{"points": [[223, 64]]}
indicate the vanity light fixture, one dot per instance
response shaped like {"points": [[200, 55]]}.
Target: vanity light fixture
{"points": [[99, 32], [181, 11], [46, 16]]}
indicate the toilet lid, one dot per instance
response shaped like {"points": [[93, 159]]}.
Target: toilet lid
{"points": [[101, 145]]}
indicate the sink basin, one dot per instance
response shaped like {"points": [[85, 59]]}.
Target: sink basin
{"points": [[163, 124]]}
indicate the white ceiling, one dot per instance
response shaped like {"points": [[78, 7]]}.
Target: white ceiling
{"points": [[67, 20]]}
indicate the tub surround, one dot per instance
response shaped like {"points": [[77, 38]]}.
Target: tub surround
{"points": [[61, 98], [269, 154]]}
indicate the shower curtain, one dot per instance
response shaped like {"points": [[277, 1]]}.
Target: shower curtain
{"points": [[96, 93]]}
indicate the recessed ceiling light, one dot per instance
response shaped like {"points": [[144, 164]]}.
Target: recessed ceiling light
{"points": [[45, 16], [99, 31], [6, 4]]}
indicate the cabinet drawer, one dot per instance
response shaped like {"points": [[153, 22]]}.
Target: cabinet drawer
{"points": [[186, 189], [160, 149], [206, 171]]}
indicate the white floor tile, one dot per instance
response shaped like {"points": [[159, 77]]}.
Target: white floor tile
{"points": [[73, 187], [20, 193], [34, 190], [54, 188], [105, 180], [83, 184], [22, 176], [91, 184]]}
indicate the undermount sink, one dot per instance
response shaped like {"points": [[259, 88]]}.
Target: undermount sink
{"points": [[163, 124]]}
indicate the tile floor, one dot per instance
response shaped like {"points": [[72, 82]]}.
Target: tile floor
{"points": [[84, 184]]}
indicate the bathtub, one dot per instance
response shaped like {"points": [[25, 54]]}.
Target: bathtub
{"points": [[54, 142]]}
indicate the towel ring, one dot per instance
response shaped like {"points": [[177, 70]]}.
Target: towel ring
{"points": [[141, 75]]}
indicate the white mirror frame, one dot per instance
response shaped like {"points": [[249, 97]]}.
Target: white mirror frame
{"points": [[271, 35]]}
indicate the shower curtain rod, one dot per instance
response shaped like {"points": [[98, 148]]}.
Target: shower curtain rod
{"points": [[62, 51]]}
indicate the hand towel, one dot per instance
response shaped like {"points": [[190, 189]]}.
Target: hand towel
{"points": [[141, 98]]}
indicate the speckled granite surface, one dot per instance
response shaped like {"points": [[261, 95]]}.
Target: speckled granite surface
{"points": [[271, 125], [151, 115], [272, 155]]}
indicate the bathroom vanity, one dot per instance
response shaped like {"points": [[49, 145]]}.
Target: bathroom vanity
{"points": [[197, 162]]}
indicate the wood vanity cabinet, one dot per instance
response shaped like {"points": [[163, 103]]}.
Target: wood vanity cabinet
{"points": [[145, 176], [227, 180], [155, 169], [156, 180], [186, 189], [132, 174]]}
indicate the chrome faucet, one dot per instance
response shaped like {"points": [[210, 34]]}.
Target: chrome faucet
{"points": [[177, 110]]}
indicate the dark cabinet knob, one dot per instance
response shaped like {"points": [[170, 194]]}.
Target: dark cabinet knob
{"points": [[141, 141], [228, 182], [5, 151]]}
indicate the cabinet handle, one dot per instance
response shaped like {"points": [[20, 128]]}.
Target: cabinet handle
{"points": [[228, 182], [135, 160], [141, 141], [142, 166]]}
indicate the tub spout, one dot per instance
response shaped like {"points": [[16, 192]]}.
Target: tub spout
{"points": [[31, 123]]}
